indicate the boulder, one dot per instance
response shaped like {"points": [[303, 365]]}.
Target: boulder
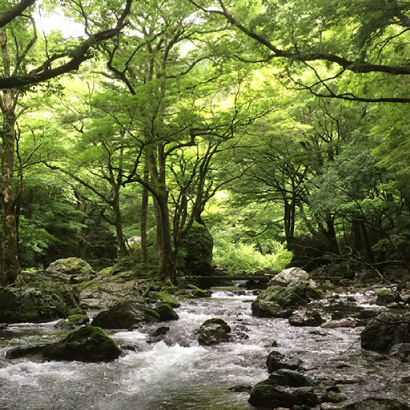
{"points": [[309, 318], [126, 315], [197, 248], [271, 397], [386, 330], [401, 351], [166, 312], [213, 331], [35, 305], [291, 378], [77, 269], [385, 297], [377, 404], [292, 276], [277, 360], [88, 344], [278, 301]]}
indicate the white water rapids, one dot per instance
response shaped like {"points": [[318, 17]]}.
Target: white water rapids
{"points": [[178, 374]]}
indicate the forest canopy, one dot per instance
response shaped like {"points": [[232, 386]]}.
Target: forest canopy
{"points": [[280, 126]]}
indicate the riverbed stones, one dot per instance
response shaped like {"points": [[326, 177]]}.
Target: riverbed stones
{"points": [[35, 305], [126, 315], [213, 331], [291, 378], [279, 302], [401, 351], [268, 396], [386, 330], [309, 318], [87, 344], [277, 360], [377, 404]]}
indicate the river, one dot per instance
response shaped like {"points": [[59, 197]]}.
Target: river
{"points": [[179, 374]]}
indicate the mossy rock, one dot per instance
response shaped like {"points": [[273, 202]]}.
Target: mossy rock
{"points": [[73, 321], [36, 305], [164, 297], [278, 301], [385, 297], [166, 312], [71, 266], [87, 344], [126, 315]]}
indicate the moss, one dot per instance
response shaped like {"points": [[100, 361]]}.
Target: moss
{"points": [[79, 316], [106, 271], [166, 298]]}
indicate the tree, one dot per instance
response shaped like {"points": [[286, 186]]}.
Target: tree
{"points": [[20, 51], [318, 36]]}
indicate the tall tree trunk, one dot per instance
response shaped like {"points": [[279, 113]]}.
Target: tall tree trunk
{"points": [[10, 261], [144, 215], [122, 248], [166, 264]]}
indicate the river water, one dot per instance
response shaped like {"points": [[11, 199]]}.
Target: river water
{"points": [[178, 374]]}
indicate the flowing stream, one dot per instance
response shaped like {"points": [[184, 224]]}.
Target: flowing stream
{"points": [[178, 374]]}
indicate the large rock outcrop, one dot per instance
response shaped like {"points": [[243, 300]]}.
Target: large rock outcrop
{"points": [[386, 330], [197, 247], [35, 305], [87, 344]]}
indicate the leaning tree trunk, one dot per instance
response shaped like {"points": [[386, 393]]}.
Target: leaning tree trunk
{"points": [[10, 261]]}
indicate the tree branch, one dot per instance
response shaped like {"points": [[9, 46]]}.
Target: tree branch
{"points": [[15, 11]]}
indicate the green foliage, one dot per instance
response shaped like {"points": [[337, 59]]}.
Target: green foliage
{"points": [[244, 257]]}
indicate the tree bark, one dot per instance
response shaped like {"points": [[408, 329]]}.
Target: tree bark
{"points": [[122, 248], [10, 261], [144, 216]]}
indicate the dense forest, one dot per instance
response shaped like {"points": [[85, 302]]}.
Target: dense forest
{"points": [[281, 126]]}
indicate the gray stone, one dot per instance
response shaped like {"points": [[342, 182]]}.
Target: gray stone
{"points": [[277, 360], [401, 351], [292, 276], [309, 318], [213, 331], [291, 378], [265, 395]]}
